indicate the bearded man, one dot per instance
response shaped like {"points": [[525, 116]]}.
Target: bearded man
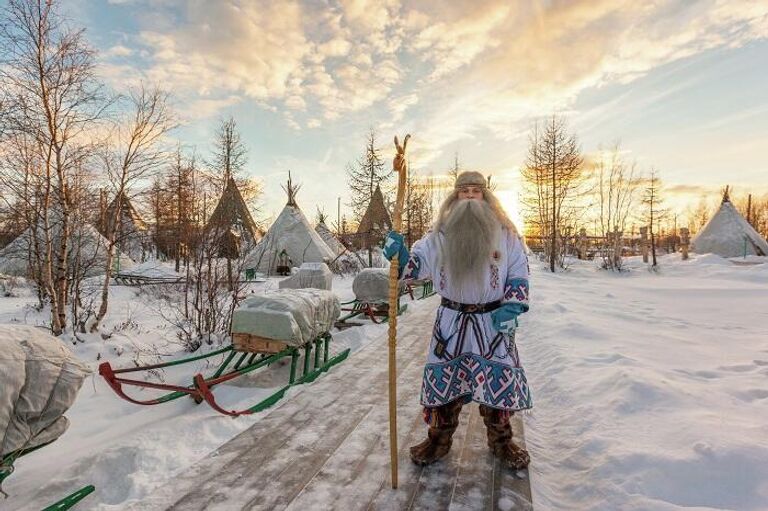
{"points": [[477, 261]]}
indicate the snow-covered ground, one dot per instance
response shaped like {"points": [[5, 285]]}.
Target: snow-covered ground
{"points": [[127, 450], [650, 392]]}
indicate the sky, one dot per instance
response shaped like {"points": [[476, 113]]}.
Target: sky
{"points": [[682, 85]]}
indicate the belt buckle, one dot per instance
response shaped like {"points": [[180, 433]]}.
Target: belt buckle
{"points": [[472, 308]]}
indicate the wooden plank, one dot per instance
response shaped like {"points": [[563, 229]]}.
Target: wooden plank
{"points": [[435, 486], [254, 344], [327, 447], [387, 499], [241, 481], [473, 487], [512, 489], [361, 465]]}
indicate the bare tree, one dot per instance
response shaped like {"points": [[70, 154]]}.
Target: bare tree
{"points": [[365, 175], [202, 310], [755, 210], [453, 172], [654, 211], [698, 216], [617, 185], [418, 210], [229, 158], [554, 178], [47, 75], [135, 154]]}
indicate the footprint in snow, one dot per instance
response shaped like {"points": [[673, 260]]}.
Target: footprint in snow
{"points": [[738, 368], [752, 395]]}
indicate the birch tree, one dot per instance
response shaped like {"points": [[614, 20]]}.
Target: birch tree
{"points": [[47, 76], [617, 186], [135, 154]]}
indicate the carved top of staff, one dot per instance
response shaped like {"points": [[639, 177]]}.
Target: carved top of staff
{"points": [[400, 163]]}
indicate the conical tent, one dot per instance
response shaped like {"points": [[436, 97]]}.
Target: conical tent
{"points": [[292, 233], [328, 237], [232, 222], [375, 223], [132, 234], [85, 242], [728, 234], [130, 219]]}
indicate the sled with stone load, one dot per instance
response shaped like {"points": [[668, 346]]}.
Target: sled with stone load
{"points": [[371, 289], [287, 323], [40, 379]]}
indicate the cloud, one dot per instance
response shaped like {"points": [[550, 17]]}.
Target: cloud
{"points": [[688, 189], [447, 70], [118, 51], [534, 63]]}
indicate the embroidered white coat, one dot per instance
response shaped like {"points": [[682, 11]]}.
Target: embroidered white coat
{"points": [[475, 362]]}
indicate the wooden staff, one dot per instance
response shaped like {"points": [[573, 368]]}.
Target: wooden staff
{"points": [[400, 165]]}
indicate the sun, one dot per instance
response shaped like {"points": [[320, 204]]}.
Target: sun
{"points": [[511, 205]]}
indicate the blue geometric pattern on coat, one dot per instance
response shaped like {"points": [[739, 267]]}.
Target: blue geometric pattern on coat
{"points": [[474, 377], [516, 291]]}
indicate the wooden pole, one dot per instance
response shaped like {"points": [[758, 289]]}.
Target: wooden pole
{"points": [[400, 165], [685, 239]]}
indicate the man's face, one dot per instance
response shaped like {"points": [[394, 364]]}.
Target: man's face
{"points": [[471, 192]]}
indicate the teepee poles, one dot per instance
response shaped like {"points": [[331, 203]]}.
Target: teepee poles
{"points": [[400, 165]]}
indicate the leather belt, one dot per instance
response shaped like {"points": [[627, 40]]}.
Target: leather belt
{"points": [[471, 308]]}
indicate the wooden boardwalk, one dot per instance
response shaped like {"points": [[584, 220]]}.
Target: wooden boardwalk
{"points": [[327, 447]]}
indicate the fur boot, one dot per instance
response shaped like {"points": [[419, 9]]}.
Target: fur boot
{"points": [[442, 424], [500, 439]]}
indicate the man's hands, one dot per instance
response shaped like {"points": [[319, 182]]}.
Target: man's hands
{"points": [[395, 244], [505, 317]]}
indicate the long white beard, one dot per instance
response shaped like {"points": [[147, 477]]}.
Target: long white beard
{"points": [[471, 233]]}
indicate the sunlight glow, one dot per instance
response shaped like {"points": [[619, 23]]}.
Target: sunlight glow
{"points": [[511, 204]]}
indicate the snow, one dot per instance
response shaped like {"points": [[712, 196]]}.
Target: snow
{"points": [[649, 388], [152, 269], [649, 393]]}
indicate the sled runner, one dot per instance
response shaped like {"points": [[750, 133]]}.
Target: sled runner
{"points": [[7, 468], [377, 312], [274, 315], [239, 359], [426, 287]]}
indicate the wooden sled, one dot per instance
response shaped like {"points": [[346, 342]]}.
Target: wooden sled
{"points": [[377, 312], [246, 354], [425, 286]]}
